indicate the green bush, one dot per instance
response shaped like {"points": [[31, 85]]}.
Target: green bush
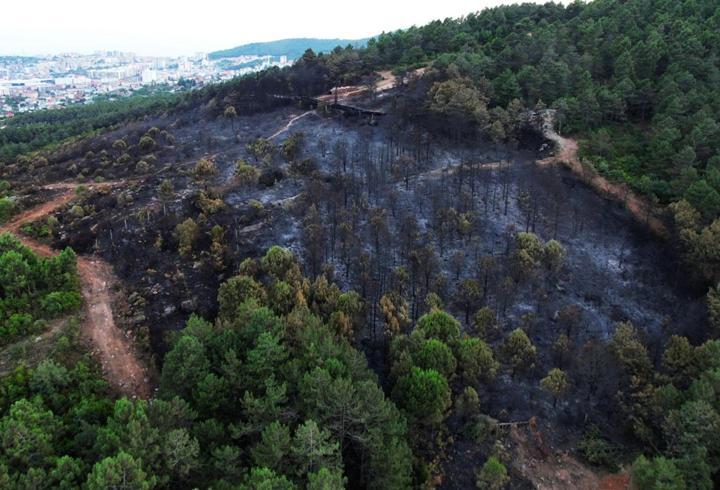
{"points": [[146, 143], [7, 208], [33, 288], [597, 450], [58, 302], [493, 475]]}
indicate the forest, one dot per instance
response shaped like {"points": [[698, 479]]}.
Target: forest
{"points": [[426, 298], [26, 133], [265, 397]]}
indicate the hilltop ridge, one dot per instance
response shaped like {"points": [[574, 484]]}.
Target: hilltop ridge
{"points": [[293, 48]]}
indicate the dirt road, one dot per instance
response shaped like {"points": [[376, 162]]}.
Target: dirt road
{"points": [[387, 81], [121, 366], [567, 153]]}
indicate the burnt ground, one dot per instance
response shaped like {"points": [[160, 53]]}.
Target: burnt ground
{"points": [[614, 271]]}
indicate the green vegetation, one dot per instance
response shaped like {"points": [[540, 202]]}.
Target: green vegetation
{"points": [[267, 397], [493, 475], [29, 132], [33, 289], [8, 205], [675, 410], [292, 48], [637, 78], [272, 394]]}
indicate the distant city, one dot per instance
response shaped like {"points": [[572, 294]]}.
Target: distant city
{"points": [[48, 82]]}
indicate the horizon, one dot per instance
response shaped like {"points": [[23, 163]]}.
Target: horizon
{"points": [[149, 29]]}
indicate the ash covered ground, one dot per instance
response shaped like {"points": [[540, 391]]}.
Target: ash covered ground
{"points": [[379, 191]]}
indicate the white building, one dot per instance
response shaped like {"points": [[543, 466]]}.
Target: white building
{"points": [[149, 76]]}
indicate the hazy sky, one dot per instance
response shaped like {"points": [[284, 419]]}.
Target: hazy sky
{"points": [[160, 27]]}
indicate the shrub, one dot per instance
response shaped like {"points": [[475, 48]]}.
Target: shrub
{"points": [[124, 159], [597, 450], [58, 302], [142, 167], [304, 167], [146, 143], [245, 174], [77, 211], [481, 428], [493, 475], [270, 176], [292, 146], [260, 149], [207, 204], [7, 208], [205, 167], [186, 234]]}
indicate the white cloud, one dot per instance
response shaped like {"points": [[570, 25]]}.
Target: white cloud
{"points": [[157, 27]]}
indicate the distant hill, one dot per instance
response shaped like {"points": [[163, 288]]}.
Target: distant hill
{"points": [[292, 48]]}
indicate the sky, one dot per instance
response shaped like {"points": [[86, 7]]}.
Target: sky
{"points": [[161, 27]]}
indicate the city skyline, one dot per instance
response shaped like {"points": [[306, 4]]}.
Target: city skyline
{"points": [[156, 29]]}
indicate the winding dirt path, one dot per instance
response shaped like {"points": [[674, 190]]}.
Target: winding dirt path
{"points": [[567, 153], [289, 124], [121, 366]]}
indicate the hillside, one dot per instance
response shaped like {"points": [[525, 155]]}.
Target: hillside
{"points": [[489, 261], [292, 48]]}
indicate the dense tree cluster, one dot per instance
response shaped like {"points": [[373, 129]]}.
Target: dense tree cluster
{"points": [[33, 289], [269, 396], [640, 76], [674, 409], [25, 133]]}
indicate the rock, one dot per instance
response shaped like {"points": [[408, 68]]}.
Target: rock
{"points": [[189, 305], [169, 310]]}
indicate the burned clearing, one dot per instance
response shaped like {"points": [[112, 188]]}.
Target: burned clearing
{"points": [[393, 212]]}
